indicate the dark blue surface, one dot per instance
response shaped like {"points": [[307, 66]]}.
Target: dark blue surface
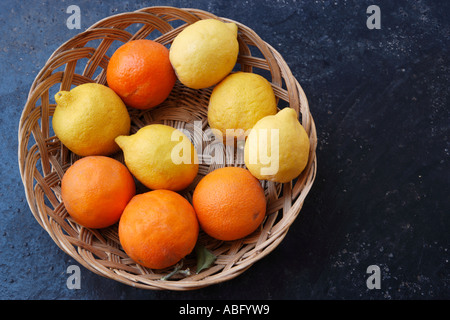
{"points": [[380, 99]]}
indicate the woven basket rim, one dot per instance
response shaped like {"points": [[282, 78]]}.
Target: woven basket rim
{"points": [[42, 164]]}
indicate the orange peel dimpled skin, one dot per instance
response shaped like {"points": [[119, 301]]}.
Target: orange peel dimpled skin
{"points": [[158, 228], [140, 72], [230, 203], [96, 190]]}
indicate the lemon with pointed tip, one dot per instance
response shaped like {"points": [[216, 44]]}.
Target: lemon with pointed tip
{"points": [[277, 147], [204, 52], [160, 157], [88, 118]]}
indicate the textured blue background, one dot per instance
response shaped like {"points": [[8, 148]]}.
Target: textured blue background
{"points": [[380, 99]]}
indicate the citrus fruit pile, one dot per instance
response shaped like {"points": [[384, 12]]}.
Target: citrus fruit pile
{"points": [[159, 227]]}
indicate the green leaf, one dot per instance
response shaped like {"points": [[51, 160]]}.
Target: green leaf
{"points": [[205, 258], [176, 270]]}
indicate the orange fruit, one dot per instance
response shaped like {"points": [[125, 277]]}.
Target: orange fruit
{"points": [[96, 190], [230, 203], [140, 72], [158, 228]]}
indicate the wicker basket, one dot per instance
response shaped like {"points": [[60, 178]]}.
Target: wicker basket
{"points": [[43, 159]]}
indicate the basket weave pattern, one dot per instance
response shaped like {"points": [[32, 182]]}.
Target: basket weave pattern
{"points": [[43, 159]]}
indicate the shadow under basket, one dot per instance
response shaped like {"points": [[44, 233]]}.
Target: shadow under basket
{"points": [[43, 159]]}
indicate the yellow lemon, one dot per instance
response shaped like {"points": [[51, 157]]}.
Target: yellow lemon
{"points": [[160, 157], [88, 118], [204, 53], [239, 101], [277, 148]]}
